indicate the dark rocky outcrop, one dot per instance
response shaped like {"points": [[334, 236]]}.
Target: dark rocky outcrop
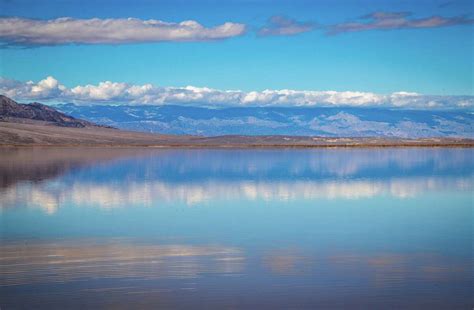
{"points": [[10, 110]]}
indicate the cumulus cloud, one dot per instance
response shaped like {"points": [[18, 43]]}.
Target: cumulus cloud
{"points": [[66, 30], [283, 26], [51, 90], [396, 20]]}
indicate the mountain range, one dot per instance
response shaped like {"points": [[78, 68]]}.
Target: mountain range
{"points": [[294, 121], [39, 124]]}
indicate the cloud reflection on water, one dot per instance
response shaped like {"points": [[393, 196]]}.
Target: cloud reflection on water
{"points": [[112, 178], [72, 260], [278, 226], [158, 193], [68, 260]]}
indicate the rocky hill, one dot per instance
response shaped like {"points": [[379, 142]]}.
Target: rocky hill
{"points": [[11, 111]]}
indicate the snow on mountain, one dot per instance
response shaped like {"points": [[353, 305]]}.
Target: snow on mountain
{"points": [[337, 122]]}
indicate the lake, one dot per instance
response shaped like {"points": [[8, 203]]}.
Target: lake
{"points": [[176, 228]]}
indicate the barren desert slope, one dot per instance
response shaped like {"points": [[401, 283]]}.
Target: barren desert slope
{"points": [[38, 133]]}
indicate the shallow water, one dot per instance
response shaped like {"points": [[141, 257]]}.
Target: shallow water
{"points": [[325, 228]]}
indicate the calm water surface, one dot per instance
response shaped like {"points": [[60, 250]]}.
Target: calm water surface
{"points": [[327, 229]]}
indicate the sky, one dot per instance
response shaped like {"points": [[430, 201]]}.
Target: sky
{"points": [[354, 52]]}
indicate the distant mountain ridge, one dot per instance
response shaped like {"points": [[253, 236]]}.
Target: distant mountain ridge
{"points": [[10, 110], [250, 121], [297, 121]]}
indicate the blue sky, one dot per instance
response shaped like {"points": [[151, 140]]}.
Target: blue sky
{"points": [[431, 60]]}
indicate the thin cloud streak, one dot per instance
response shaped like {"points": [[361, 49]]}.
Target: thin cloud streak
{"points": [[396, 20], [51, 90], [26, 32], [283, 26]]}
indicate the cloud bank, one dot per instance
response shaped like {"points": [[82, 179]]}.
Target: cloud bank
{"points": [[66, 30], [25, 32], [51, 90], [282, 26], [396, 20]]}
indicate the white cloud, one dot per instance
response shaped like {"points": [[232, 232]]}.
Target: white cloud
{"points": [[50, 89], [66, 30]]}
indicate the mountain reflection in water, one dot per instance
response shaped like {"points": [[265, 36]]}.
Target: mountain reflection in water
{"points": [[113, 178], [171, 228]]}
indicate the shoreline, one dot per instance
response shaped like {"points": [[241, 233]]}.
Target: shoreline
{"points": [[247, 146], [39, 134]]}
